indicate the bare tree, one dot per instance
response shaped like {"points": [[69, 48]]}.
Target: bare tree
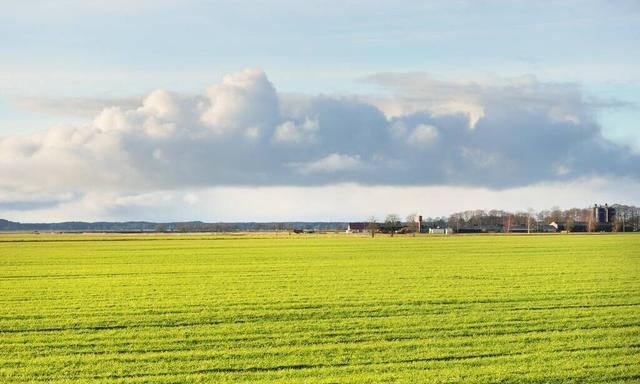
{"points": [[569, 223], [391, 223], [412, 223], [507, 223], [591, 223], [530, 213], [555, 215], [372, 225], [456, 221]]}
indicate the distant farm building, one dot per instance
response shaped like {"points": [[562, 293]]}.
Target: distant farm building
{"points": [[481, 229], [558, 225], [604, 218], [357, 227], [604, 214], [546, 228], [577, 226], [439, 231], [601, 219]]}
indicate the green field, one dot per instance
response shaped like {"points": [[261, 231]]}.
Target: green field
{"points": [[319, 308]]}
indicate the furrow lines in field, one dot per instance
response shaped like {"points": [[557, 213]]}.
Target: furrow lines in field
{"points": [[320, 309]]}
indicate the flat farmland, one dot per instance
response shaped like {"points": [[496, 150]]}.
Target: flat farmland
{"points": [[319, 309]]}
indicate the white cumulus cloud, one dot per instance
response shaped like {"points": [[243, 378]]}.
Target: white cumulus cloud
{"points": [[242, 133], [243, 100]]}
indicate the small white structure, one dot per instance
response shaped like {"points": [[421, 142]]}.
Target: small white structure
{"points": [[439, 231]]}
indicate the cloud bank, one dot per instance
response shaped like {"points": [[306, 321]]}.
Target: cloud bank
{"points": [[493, 134], [343, 202]]}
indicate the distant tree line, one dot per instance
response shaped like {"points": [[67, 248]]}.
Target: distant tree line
{"points": [[288, 227], [192, 226], [626, 218]]}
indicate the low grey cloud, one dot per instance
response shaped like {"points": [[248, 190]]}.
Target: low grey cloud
{"points": [[494, 133], [70, 106]]}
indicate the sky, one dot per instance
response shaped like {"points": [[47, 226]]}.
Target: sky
{"points": [[319, 110]]}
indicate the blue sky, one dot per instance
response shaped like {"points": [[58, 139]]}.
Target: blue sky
{"points": [[62, 62]]}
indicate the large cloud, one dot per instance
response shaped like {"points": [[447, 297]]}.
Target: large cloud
{"points": [[497, 133], [245, 101]]}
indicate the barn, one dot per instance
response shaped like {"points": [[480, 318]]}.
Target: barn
{"points": [[357, 228]]}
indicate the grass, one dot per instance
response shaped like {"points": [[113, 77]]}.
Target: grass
{"points": [[319, 309]]}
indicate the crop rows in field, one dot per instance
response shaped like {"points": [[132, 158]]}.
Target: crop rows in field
{"points": [[110, 309]]}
